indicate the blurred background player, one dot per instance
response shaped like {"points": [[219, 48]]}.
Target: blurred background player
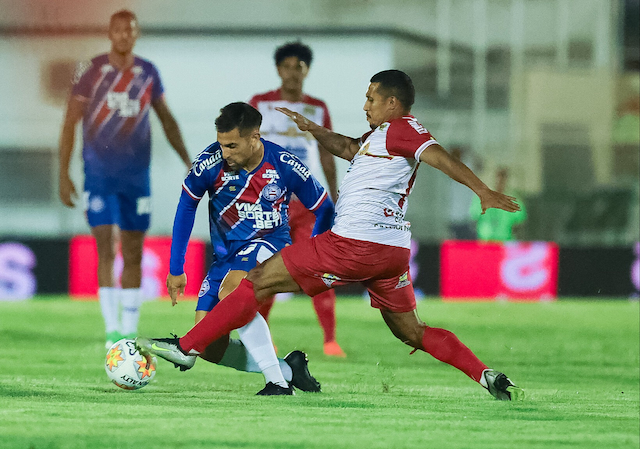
{"points": [[249, 182], [496, 224], [293, 61], [112, 96]]}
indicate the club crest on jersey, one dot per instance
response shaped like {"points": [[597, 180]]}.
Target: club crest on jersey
{"points": [[329, 279], [204, 288], [403, 280], [271, 192]]}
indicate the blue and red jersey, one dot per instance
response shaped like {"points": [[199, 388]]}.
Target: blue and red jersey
{"points": [[243, 205], [116, 129]]}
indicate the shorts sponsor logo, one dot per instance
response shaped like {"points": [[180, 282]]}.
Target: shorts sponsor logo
{"points": [[272, 192], [329, 279], [143, 205], [204, 288], [96, 204], [403, 280]]}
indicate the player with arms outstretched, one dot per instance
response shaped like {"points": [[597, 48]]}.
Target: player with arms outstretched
{"points": [[112, 95], [293, 61], [249, 182], [370, 239]]}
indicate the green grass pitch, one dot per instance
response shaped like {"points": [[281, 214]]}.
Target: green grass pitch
{"points": [[578, 362]]}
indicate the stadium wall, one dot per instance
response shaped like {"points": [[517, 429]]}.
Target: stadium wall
{"points": [[63, 266]]}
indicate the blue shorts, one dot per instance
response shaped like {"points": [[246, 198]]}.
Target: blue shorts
{"points": [[116, 201], [248, 256]]}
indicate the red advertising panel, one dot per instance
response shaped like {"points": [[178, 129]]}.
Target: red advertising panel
{"points": [[521, 271], [83, 265]]}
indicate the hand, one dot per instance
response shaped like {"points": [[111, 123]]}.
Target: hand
{"points": [[491, 198], [67, 192], [175, 286], [303, 123]]}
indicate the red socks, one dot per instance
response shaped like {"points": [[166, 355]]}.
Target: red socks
{"points": [[445, 346], [234, 311], [325, 306]]}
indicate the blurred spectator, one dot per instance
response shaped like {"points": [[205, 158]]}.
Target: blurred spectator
{"points": [[496, 224]]}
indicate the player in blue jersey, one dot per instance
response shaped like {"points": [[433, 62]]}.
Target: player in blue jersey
{"points": [[112, 96], [249, 182]]}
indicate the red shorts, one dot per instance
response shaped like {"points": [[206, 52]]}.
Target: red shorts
{"points": [[301, 220], [328, 260]]}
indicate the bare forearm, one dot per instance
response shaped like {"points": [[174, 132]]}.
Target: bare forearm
{"points": [[438, 158], [329, 169], [172, 131], [336, 144], [65, 148]]}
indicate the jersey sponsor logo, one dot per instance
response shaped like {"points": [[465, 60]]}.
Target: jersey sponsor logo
{"points": [[399, 227], [229, 177], [120, 101], [143, 205], [204, 288], [270, 173], [403, 280], [262, 219], [211, 161], [137, 70], [271, 192], [329, 279], [297, 166], [417, 126]]}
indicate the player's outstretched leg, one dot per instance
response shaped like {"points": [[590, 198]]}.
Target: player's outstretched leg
{"points": [[302, 378], [500, 386], [168, 349]]}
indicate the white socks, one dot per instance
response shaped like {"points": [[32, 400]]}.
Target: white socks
{"points": [[257, 340], [237, 357], [130, 299], [110, 307], [116, 319]]}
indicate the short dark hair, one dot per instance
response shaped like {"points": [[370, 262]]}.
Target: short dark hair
{"points": [[123, 14], [297, 49], [238, 115], [395, 83]]}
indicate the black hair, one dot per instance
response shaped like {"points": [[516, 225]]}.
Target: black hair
{"points": [[238, 115], [123, 14], [395, 83], [297, 49]]}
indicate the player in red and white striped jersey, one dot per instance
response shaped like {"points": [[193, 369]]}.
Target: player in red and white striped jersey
{"points": [[369, 242], [293, 60]]}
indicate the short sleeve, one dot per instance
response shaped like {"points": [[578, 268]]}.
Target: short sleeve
{"points": [[82, 77], [253, 101], [203, 173], [327, 118], [408, 138], [301, 182]]}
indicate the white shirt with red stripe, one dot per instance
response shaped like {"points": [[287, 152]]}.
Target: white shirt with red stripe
{"points": [[280, 129], [372, 200]]}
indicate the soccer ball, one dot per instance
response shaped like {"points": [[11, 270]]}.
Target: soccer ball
{"points": [[127, 368]]}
